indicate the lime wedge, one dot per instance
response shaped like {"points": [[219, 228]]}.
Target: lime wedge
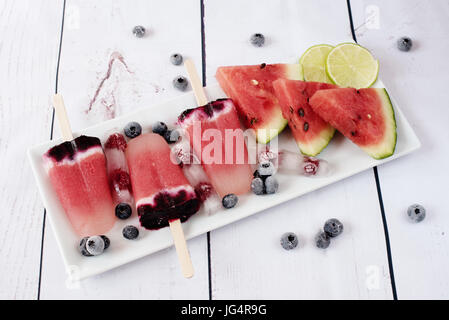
{"points": [[313, 63], [351, 65]]}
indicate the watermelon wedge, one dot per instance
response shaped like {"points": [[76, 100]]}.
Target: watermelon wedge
{"points": [[251, 89], [311, 132], [364, 116]]}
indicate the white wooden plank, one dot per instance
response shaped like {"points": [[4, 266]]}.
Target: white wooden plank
{"points": [[247, 259], [418, 81], [28, 54], [106, 70]]}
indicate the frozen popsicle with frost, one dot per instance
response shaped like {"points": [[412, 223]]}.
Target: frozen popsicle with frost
{"points": [[77, 171]]}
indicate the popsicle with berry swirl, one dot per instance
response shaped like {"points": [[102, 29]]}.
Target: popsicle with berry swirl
{"points": [[118, 175], [194, 172]]}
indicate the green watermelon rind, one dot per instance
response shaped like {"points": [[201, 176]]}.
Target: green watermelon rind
{"points": [[326, 136], [277, 124], [387, 147]]}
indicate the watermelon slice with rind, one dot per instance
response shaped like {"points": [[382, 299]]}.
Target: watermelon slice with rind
{"points": [[251, 89], [364, 116], [311, 132]]}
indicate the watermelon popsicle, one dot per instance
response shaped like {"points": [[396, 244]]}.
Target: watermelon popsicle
{"points": [[77, 171], [216, 124], [161, 191]]}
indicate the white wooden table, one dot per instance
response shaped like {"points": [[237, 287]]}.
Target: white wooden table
{"points": [[86, 51]]}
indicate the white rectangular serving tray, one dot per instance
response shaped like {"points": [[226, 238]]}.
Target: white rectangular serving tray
{"points": [[345, 159]]}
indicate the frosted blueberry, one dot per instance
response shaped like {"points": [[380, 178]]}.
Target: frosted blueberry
{"points": [[229, 201], [416, 212], [123, 211], [271, 185], [176, 59], [322, 240], [82, 247], [405, 44], [133, 129], [266, 169], [130, 232], [172, 136], [159, 128], [95, 245], [258, 39], [333, 227], [257, 186], [139, 31], [107, 242], [289, 241], [180, 83]]}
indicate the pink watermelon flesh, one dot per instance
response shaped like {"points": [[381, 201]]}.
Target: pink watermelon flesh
{"points": [[77, 171], [161, 190], [311, 132], [251, 89], [230, 172], [365, 116]]}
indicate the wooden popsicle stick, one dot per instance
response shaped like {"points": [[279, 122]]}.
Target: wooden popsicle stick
{"points": [[197, 85], [63, 120], [175, 225], [181, 248]]}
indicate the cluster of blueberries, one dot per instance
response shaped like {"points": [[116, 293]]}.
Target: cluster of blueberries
{"points": [[332, 228]]}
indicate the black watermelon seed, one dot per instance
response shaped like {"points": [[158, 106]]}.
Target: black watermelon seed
{"points": [[306, 126], [301, 112]]}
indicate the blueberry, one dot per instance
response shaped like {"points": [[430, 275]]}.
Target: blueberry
{"points": [[172, 136], [130, 232], [416, 212], [95, 245], [266, 169], [180, 83], [404, 44], [229, 201], [107, 242], [289, 241], [82, 247], [333, 227], [139, 31], [271, 185], [159, 128], [257, 186], [322, 240], [123, 211], [133, 129], [258, 39], [176, 59]]}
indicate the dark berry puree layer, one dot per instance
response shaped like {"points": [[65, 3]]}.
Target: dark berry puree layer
{"points": [[206, 111], [68, 149], [166, 207]]}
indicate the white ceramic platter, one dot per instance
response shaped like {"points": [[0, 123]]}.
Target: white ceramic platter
{"points": [[345, 158]]}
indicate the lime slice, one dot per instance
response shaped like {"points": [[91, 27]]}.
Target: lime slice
{"points": [[351, 65], [313, 63]]}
